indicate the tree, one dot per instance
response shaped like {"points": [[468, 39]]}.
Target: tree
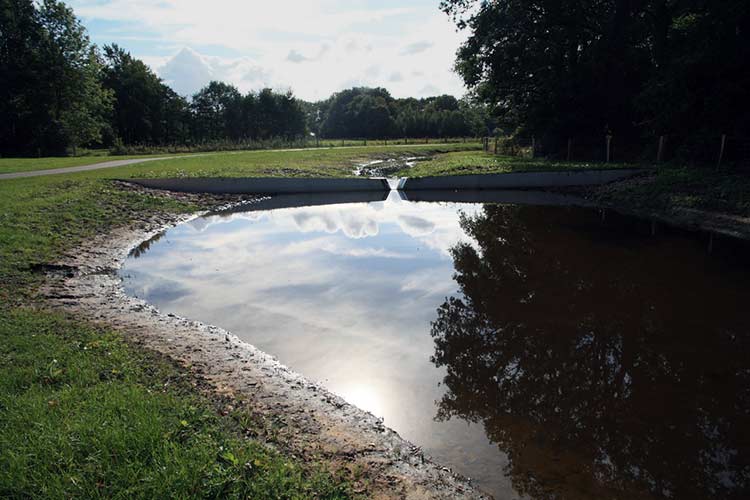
{"points": [[216, 110], [146, 111], [52, 95], [555, 69]]}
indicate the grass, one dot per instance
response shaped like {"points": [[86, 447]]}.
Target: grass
{"points": [[677, 187], [10, 165], [480, 162], [84, 415]]}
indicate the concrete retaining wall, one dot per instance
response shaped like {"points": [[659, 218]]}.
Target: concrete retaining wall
{"points": [[262, 185], [307, 200], [519, 180]]}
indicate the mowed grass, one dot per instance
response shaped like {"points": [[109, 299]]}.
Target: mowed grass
{"points": [[246, 158], [319, 162], [83, 415], [10, 165], [480, 162]]}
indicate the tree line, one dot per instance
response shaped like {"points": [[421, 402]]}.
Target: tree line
{"points": [[373, 113], [633, 69], [58, 92]]}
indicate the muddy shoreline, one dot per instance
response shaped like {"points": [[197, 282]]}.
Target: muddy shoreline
{"points": [[289, 412]]}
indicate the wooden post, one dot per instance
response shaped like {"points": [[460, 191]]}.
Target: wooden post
{"points": [[496, 145], [570, 147], [660, 151], [406, 140], [386, 141], [533, 146], [721, 149], [426, 140], [364, 142], [609, 147]]}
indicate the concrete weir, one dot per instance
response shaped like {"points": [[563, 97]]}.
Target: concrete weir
{"points": [[263, 185], [518, 180]]}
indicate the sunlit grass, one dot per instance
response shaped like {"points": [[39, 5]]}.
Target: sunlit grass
{"points": [[480, 162], [83, 415]]}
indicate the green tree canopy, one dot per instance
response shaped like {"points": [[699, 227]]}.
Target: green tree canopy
{"points": [[557, 69], [50, 79]]}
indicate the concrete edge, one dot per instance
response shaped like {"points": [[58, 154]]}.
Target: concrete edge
{"points": [[263, 185], [520, 180]]}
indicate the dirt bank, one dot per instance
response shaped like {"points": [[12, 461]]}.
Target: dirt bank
{"points": [[618, 197], [288, 411]]}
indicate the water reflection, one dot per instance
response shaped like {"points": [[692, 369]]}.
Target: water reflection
{"points": [[606, 365], [570, 357]]}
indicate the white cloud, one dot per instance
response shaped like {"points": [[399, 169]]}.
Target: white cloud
{"points": [[315, 48]]}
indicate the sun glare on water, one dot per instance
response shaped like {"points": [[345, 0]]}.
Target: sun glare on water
{"points": [[366, 397]]}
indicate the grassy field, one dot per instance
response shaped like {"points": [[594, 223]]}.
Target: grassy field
{"points": [[9, 165], [479, 162], [84, 414]]}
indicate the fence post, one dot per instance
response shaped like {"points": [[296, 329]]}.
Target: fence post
{"points": [[496, 145], [426, 140], [721, 149], [364, 142], [386, 141], [570, 147], [533, 146], [609, 147], [660, 151]]}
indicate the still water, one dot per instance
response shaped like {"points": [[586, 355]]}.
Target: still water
{"points": [[544, 351]]}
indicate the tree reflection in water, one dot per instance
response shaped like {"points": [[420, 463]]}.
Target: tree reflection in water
{"points": [[604, 363]]}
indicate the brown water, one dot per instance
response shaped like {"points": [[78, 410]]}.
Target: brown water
{"points": [[543, 351]]}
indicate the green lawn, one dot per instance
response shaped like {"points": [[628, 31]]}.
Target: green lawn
{"points": [[479, 162], [246, 158], [83, 415], [8, 165]]}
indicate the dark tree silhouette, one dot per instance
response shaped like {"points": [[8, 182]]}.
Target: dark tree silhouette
{"points": [[595, 361], [638, 68]]}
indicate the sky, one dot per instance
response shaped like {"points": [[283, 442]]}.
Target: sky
{"points": [[313, 47]]}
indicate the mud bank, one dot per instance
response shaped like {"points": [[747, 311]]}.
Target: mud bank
{"points": [[289, 412]]}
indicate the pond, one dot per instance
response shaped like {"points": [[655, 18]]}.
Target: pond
{"points": [[543, 350]]}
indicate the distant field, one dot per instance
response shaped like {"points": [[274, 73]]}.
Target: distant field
{"points": [[9, 165]]}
